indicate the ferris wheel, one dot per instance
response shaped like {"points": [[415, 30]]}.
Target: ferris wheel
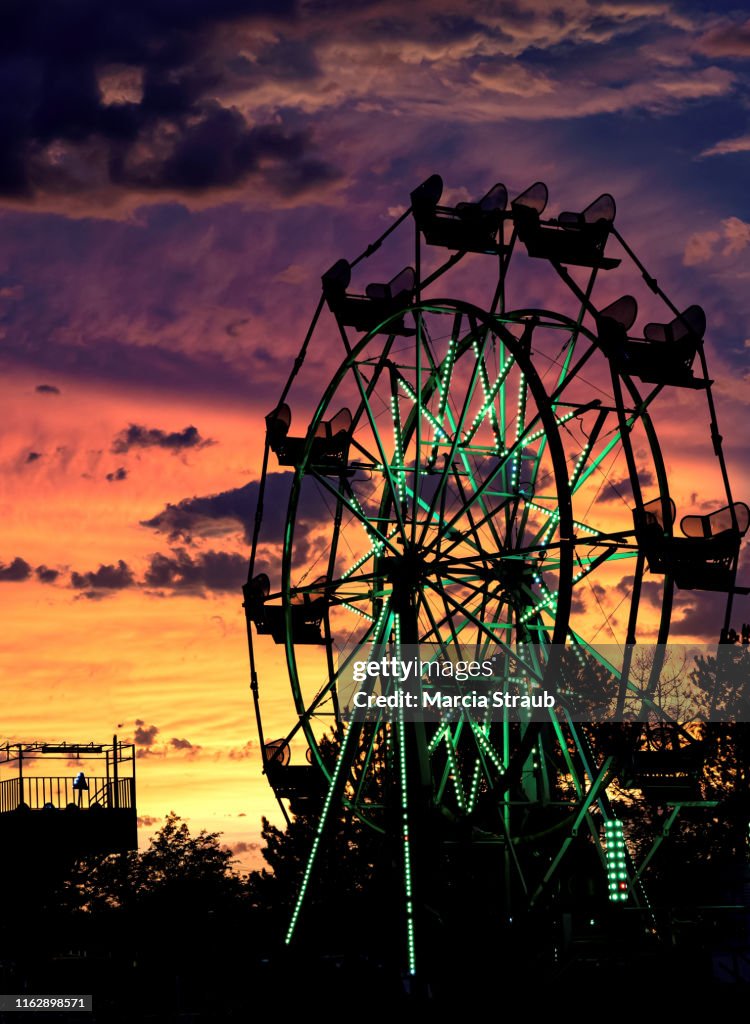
{"points": [[481, 471]]}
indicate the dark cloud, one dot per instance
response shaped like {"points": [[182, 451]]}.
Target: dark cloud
{"points": [[209, 570], [121, 95], [622, 490], [698, 613], [145, 735], [651, 590], [219, 149], [106, 577], [45, 575], [211, 515], [47, 389], [146, 820], [33, 456], [181, 744], [243, 847], [214, 515], [137, 436], [578, 603], [15, 572], [118, 474]]}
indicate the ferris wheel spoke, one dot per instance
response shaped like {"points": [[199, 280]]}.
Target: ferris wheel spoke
{"points": [[468, 617], [434, 632], [398, 467], [456, 426], [444, 378], [457, 536], [418, 412], [366, 407], [484, 593], [488, 518], [484, 486], [438, 520], [375, 372], [351, 502]]}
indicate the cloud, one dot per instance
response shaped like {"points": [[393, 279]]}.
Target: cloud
{"points": [[183, 747], [33, 456], [700, 247], [651, 591], [181, 744], [137, 436], [212, 515], [704, 245], [208, 101], [727, 39], [619, 490], [117, 475], [243, 752], [147, 820], [47, 389], [106, 577], [123, 99], [16, 571], [698, 614], [736, 234], [215, 515], [738, 144], [46, 575], [145, 735], [218, 571], [242, 847]]}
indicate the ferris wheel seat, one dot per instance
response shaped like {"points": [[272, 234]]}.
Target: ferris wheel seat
{"points": [[306, 614], [300, 783], [329, 447], [381, 302], [292, 781], [466, 227], [276, 752], [690, 325], [305, 626], [533, 199], [577, 239], [667, 351], [705, 557]]}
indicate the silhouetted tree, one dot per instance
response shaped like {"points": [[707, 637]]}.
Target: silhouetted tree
{"points": [[177, 872]]}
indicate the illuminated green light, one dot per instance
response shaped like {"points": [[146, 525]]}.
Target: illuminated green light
{"points": [[318, 837], [351, 608], [616, 854], [490, 397], [407, 388]]}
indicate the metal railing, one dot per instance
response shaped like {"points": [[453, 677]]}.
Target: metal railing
{"points": [[38, 792]]}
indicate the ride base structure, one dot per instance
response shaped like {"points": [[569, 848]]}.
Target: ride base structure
{"points": [[482, 473]]}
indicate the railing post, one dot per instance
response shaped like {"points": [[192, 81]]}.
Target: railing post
{"points": [[115, 760]]}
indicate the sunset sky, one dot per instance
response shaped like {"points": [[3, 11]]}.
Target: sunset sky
{"points": [[175, 175]]}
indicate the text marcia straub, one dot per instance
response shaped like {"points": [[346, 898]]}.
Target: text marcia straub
{"points": [[438, 699]]}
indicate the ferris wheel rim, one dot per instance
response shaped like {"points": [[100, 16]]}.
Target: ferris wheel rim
{"points": [[433, 305]]}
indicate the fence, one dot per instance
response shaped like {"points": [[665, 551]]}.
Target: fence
{"points": [[57, 791]]}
